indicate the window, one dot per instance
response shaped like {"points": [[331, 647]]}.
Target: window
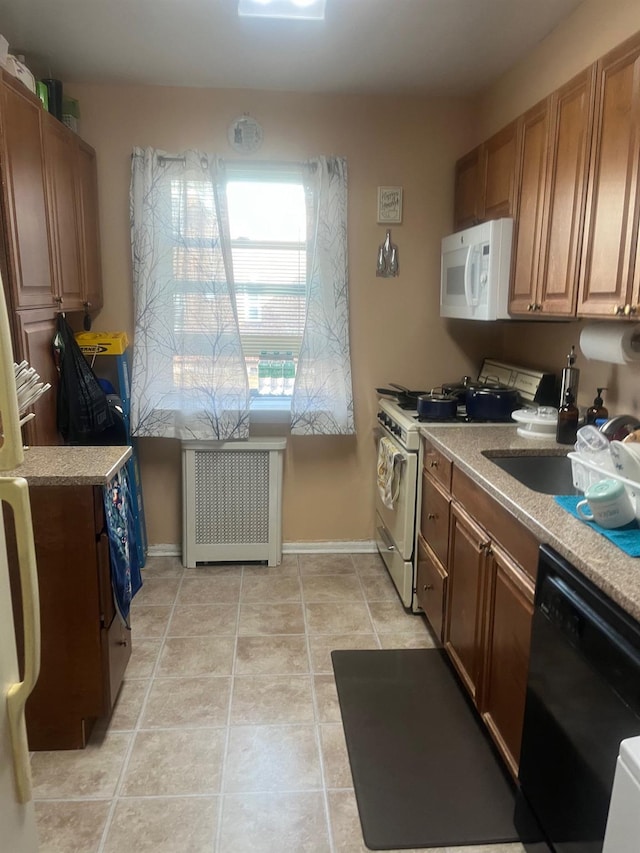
{"points": [[267, 224]]}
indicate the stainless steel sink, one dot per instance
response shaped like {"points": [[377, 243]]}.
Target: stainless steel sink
{"points": [[550, 475]]}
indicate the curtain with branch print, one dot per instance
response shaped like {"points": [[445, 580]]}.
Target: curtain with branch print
{"points": [[189, 378], [322, 402]]}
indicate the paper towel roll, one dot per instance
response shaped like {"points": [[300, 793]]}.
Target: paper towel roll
{"points": [[617, 343]]}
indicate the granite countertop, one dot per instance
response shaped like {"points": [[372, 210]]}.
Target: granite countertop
{"points": [[70, 466], [613, 571]]}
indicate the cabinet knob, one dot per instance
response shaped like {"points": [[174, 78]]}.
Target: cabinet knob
{"points": [[433, 463], [58, 299], [618, 310], [122, 643], [427, 587], [629, 309], [531, 306], [432, 516], [87, 305], [538, 307]]}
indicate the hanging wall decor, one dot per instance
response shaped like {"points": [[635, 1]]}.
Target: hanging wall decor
{"points": [[387, 265], [390, 205]]}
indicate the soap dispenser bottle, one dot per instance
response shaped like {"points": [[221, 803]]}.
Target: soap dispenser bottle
{"points": [[570, 377], [598, 413], [567, 420]]}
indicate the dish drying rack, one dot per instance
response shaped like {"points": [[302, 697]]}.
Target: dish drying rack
{"points": [[29, 389]]}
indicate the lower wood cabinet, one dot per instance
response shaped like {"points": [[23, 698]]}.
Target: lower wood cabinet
{"points": [[85, 645], [431, 585], [508, 615]]}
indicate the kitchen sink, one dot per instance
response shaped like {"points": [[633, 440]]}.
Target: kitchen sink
{"points": [[550, 475]]}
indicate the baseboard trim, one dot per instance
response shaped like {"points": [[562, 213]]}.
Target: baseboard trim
{"points": [[358, 546]]}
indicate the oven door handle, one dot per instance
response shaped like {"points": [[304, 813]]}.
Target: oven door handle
{"points": [[386, 539]]}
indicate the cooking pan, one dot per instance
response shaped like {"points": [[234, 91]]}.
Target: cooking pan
{"points": [[403, 396], [491, 402], [437, 406]]}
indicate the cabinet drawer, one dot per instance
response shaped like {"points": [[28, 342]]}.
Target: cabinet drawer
{"points": [[434, 518], [503, 527], [437, 464], [431, 583]]}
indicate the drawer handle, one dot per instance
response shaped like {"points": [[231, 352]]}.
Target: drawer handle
{"points": [[432, 516], [427, 587]]}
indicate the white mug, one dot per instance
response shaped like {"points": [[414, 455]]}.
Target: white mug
{"points": [[607, 503]]}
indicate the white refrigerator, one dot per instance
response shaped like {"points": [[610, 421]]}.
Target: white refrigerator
{"points": [[17, 817]]}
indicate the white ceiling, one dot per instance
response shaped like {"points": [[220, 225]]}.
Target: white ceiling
{"points": [[442, 47]]}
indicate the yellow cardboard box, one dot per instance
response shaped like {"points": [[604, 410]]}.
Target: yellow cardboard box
{"points": [[102, 343]]}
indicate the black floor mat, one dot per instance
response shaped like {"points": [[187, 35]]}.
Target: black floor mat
{"points": [[424, 771]]}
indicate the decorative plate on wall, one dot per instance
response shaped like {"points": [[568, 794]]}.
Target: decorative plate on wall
{"points": [[245, 134]]}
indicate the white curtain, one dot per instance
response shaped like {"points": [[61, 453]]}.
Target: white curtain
{"points": [[189, 378], [322, 402]]}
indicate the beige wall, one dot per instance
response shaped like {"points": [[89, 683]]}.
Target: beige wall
{"points": [[396, 333], [593, 29]]}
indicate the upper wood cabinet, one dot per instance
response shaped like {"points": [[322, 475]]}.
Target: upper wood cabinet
{"points": [[551, 200], [24, 201], [485, 180], [609, 279]]}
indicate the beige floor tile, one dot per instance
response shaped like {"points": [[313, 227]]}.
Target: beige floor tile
{"points": [[288, 567], [90, 772], [163, 567], [337, 772], [325, 564], [327, 699], [214, 589], [193, 656], [149, 621], [273, 655], [378, 587], [340, 588], [270, 700], [270, 589], [70, 827], [144, 654], [175, 702], [391, 617], [409, 641], [272, 758], [274, 823], [199, 620], [321, 646], [175, 762], [369, 564], [213, 570], [164, 825], [345, 823], [156, 590], [334, 618], [272, 619], [128, 705]]}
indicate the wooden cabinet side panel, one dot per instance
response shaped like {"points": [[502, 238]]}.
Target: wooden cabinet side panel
{"points": [[467, 190], [530, 206], [606, 274], [24, 201], [509, 616], [566, 194]]}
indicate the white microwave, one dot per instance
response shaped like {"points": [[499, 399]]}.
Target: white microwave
{"points": [[476, 266]]}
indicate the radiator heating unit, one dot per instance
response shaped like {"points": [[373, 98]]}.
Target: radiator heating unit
{"points": [[232, 501]]}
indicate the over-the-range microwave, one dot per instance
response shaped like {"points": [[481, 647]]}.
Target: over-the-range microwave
{"points": [[476, 265]]}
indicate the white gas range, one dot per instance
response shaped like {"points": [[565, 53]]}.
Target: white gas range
{"points": [[396, 530]]}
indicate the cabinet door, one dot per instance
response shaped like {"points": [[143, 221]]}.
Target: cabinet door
{"points": [[63, 216], [564, 206], [36, 330], [431, 584], [528, 224], [612, 201], [434, 518], [24, 198], [499, 173], [467, 190], [89, 226], [465, 597], [504, 684]]}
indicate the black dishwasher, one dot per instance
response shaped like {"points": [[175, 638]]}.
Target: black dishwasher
{"points": [[583, 698]]}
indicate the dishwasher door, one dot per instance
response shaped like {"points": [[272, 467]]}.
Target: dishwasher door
{"points": [[583, 699]]}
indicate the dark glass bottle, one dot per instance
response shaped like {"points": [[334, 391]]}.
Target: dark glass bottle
{"points": [[567, 420], [598, 411]]}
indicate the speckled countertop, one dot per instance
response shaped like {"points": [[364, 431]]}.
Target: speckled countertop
{"points": [[607, 566], [70, 466]]}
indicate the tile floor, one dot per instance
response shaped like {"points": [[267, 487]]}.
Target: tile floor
{"points": [[226, 735]]}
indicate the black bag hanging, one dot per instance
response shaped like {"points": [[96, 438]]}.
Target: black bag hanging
{"points": [[83, 410]]}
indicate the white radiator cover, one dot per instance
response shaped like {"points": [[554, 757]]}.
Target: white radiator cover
{"points": [[232, 501]]}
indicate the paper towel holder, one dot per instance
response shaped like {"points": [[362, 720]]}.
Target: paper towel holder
{"points": [[612, 342]]}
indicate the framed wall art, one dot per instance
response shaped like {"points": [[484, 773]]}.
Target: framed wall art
{"points": [[389, 205]]}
